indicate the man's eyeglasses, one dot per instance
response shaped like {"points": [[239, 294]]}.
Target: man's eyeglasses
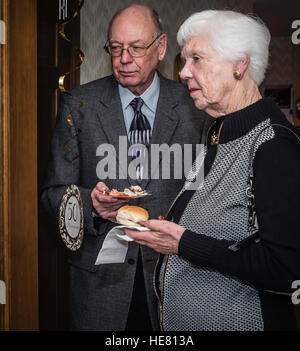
{"points": [[116, 50]]}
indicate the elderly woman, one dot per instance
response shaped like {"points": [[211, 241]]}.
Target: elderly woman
{"points": [[222, 270]]}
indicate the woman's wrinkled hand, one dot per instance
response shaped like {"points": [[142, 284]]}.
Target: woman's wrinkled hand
{"points": [[163, 237]]}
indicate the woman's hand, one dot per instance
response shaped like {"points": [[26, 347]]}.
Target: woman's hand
{"points": [[164, 236]]}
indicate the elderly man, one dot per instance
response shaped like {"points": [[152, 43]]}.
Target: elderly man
{"points": [[118, 296]]}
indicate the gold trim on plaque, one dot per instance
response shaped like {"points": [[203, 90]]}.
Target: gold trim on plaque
{"points": [[72, 243]]}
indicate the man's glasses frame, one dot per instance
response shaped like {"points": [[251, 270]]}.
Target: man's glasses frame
{"points": [[133, 50]]}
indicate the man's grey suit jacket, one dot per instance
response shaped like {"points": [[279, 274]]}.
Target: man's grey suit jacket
{"points": [[100, 295]]}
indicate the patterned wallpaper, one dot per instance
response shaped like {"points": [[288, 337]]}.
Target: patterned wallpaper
{"points": [[280, 70], [95, 16]]}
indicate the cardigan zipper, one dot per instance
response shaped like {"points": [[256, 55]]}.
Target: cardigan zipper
{"points": [[160, 298], [166, 258]]}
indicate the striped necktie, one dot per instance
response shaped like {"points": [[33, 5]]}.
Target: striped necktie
{"points": [[139, 133]]}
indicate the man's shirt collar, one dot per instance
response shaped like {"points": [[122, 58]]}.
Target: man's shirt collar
{"points": [[150, 96]]}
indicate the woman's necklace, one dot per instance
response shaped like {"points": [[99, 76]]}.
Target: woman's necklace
{"points": [[214, 140]]}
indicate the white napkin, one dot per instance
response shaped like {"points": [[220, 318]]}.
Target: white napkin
{"points": [[115, 245]]}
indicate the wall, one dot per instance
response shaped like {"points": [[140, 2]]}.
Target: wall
{"points": [[95, 16], [280, 70]]}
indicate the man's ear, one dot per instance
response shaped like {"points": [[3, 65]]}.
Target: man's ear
{"points": [[242, 65], [162, 47]]}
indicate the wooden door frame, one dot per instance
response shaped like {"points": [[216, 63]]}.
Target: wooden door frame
{"points": [[4, 171], [19, 234]]}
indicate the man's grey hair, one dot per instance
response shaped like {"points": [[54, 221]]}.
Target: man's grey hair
{"points": [[233, 35]]}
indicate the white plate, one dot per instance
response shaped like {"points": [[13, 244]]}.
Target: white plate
{"points": [[126, 237], [136, 196]]}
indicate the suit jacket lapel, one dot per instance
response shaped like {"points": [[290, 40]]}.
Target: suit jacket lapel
{"points": [[111, 114], [166, 121], [112, 121]]}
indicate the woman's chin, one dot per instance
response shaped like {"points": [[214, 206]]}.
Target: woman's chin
{"points": [[200, 105]]}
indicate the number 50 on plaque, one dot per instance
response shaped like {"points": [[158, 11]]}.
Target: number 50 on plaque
{"points": [[71, 218]]}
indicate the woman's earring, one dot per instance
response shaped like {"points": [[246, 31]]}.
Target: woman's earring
{"points": [[237, 75]]}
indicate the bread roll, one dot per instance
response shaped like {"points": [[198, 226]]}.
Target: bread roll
{"points": [[131, 215]]}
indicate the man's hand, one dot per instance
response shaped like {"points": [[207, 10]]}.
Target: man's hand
{"points": [[105, 205], [164, 236]]}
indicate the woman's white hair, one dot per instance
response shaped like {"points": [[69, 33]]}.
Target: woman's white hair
{"points": [[233, 35]]}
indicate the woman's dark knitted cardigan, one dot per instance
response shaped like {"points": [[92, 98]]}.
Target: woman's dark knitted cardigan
{"points": [[224, 290]]}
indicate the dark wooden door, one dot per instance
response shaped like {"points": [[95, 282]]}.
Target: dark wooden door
{"points": [[56, 56]]}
